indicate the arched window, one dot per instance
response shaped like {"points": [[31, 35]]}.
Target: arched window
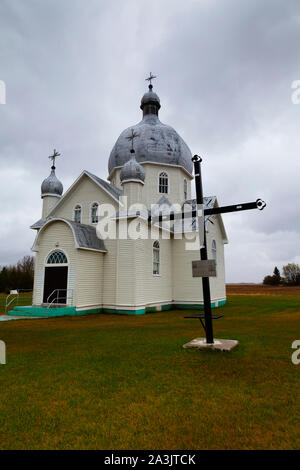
{"points": [[156, 258], [94, 213], [185, 189], [77, 213], [163, 183], [57, 257], [214, 249]]}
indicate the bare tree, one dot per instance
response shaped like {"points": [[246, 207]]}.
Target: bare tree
{"points": [[291, 274]]}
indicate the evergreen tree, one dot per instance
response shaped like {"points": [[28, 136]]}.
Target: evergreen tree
{"points": [[276, 276]]}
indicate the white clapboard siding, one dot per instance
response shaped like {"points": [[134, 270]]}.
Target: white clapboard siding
{"points": [[153, 289], [150, 193], [84, 194], [89, 279], [110, 273], [125, 276], [48, 203], [189, 289]]}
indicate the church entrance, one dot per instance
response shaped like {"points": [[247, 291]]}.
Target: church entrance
{"points": [[56, 278]]}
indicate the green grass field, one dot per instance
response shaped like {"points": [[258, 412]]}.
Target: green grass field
{"points": [[124, 382]]}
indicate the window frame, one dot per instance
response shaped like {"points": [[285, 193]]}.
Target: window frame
{"points": [[166, 177], [91, 214], [52, 253], [79, 206], [157, 250], [185, 189]]}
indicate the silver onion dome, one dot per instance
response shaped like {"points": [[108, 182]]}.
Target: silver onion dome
{"points": [[158, 142], [132, 170], [150, 98], [52, 186]]}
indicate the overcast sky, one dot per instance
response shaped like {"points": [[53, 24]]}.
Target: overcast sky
{"points": [[75, 72]]}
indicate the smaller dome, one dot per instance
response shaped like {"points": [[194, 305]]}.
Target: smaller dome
{"points": [[132, 171], [150, 98], [51, 185]]}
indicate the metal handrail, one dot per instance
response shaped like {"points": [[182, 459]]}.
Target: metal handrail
{"points": [[7, 304], [17, 297], [55, 300]]}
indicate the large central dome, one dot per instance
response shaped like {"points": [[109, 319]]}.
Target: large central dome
{"points": [[156, 142]]}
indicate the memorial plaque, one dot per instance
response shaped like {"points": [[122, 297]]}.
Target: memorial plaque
{"points": [[204, 268]]}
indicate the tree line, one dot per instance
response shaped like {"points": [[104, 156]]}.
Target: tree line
{"points": [[18, 276], [291, 276]]}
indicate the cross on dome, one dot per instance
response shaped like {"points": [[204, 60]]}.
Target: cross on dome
{"points": [[151, 77], [53, 157], [131, 138]]}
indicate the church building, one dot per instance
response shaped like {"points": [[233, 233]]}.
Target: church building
{"points": [[81, 270]]}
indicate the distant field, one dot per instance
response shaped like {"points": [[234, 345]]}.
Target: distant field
{"points": [[261, 289], [124, 382]]}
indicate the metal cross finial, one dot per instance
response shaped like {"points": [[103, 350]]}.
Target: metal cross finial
{"points": [[53, 157], [132, 137], [151, 77]]}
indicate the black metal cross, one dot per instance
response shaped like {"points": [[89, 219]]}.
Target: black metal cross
{"points": [[151, 77], [53, 157], [258, 204], [131, 138]]}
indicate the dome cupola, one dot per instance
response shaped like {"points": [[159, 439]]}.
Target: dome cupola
{"points": [[51, 186], [150, 103], [132, 170], [157, 143]]}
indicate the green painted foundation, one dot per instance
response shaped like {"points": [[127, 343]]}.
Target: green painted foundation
{"points": [[71, 311], [51, 312]]}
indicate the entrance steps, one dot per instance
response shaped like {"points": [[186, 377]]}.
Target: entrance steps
{"points": [[40, 311]]}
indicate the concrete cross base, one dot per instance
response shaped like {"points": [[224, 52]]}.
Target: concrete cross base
{"points": [[219, 344]]}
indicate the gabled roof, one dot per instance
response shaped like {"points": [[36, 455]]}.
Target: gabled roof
{"points": [[115, 192], [85, 236], [38, 224], [110, 189]]}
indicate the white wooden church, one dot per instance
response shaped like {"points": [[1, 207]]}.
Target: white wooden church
{"points": [[87, 273]]}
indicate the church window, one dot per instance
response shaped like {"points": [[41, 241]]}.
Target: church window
{"points": [[77, 214], [57, 257], [94, 213], [184, 189], [163, 185], [156, 258], [214, 249]]}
